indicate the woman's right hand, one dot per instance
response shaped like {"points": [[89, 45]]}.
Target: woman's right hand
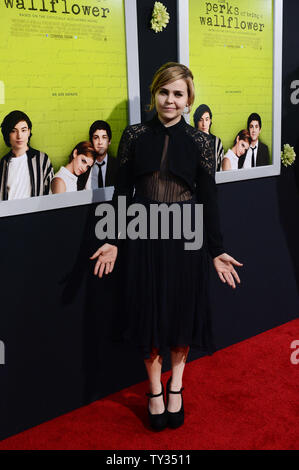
{"points": [[106, 256]]}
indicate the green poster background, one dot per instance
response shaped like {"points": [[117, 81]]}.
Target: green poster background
{"points": [[231, 57], [65, 67]]}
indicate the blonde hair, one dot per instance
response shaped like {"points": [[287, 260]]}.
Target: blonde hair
{"points": [[170, 72]]}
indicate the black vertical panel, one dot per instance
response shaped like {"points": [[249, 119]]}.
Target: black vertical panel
{"points": [[288, 182], [290, 74], [154, 48]]}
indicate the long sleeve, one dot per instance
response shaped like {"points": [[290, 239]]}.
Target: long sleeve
{"points": [[124, 181], [207, 195], [219, 153], [48, 174], [3, 175]]}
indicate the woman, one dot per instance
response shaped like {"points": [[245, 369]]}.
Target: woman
{"points": [[168, 161], [241, 145], [203, 121], [81, 160]]}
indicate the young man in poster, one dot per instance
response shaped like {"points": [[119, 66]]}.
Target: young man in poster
{"points": [[24, 171], [104, 170], [258, 153]]}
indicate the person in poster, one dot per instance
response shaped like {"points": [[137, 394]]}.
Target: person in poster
{"points": [[103, 173], [241, 145], [24, 171], [81, 160], [203, 121], [258, 153]]}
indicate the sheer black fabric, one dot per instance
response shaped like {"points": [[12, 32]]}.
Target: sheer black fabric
{"points": [[161, 185]]}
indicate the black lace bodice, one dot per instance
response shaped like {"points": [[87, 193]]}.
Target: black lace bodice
{"points": [[170, 164]]}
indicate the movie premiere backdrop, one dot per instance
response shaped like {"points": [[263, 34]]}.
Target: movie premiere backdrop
{"points": [[63, 62]]}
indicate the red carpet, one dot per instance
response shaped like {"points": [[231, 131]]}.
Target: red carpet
{"points": [[243, 397]]}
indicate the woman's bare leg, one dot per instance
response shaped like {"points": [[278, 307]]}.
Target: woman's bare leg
{"points": [[154, 368], [178, 361]]}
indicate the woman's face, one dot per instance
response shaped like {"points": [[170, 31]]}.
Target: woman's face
{"points": [[81, 163], [241, 147], [171, 101], [204, 123]]}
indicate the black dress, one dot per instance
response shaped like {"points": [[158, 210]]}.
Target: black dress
{"points": [[165, 287]]}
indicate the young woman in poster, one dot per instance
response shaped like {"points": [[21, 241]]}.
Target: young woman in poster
{"points": [[166, 303], [81, 160], [241, 145]]}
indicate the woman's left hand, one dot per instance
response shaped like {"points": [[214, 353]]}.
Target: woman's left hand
{"points": [[224, 265]]}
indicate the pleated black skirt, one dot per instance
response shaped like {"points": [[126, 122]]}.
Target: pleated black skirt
{"points": [[164, 293]]}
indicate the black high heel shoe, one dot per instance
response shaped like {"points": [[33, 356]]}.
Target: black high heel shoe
{"points": [[175, 418], [159, 421]]}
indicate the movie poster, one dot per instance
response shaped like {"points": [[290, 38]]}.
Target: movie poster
{"points": [[63, 62], [231, 56]]}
